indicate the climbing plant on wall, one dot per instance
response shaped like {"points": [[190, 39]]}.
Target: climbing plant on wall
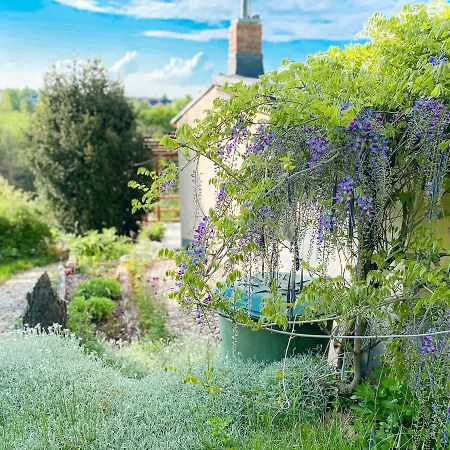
{"points": [[344, 157]]}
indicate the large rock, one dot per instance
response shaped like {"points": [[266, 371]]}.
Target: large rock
{"points": [[44, 307]]}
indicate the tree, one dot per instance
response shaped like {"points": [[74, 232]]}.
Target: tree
{"points": [[155, 120], [84, 148], [23, 100], [348, 155]]}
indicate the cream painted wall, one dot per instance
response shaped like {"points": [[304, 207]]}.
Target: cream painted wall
{"points": [[196, 194]]}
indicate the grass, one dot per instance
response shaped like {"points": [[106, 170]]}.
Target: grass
{"points": [[10, 267], [321, 434], [152, 313]]}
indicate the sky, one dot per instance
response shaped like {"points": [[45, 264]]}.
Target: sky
{"points": [[171, 47]]}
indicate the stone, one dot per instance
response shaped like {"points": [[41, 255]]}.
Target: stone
{"points": [[44, 307]]}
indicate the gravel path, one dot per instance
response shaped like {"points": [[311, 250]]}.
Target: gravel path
{"points": [[13, 295], [181, 323]]}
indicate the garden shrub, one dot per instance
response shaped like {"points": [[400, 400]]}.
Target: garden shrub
{"points": [[95, 308], [385, 412], [98, 287], [84, 404], [95, 247], [84, 147], [23, 231], [292, 391], [79, 322], [153, 231]]}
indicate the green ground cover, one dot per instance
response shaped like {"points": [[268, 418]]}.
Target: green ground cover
{"points": [[71, 400], [12, 266]]}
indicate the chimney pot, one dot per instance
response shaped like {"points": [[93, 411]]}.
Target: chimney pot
{"points": [[245, 45]]}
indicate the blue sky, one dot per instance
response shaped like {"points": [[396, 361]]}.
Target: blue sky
{"points": [[171, 47]]}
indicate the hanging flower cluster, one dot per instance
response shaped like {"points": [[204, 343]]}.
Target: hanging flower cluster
{"points": [[428, 125], [196, 256], [436, 60], [168, 186], [221, 198], [237, 136], [318, 148], [261, 140], [428, 345]]}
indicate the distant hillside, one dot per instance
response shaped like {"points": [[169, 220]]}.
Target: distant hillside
{"points": [[154, 118], [16, 106]]}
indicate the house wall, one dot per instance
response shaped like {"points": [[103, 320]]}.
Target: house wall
{"points": [[196, 195]]}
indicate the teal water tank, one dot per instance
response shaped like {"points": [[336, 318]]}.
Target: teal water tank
{"points": [[269, 345]]}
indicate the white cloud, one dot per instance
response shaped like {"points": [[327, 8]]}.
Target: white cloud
{"points": [[283, 20], [173, 79], [201, 36], [175, 68], [124, 61], [87, 5], [13, 78]]}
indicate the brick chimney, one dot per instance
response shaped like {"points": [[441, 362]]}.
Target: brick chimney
{"points": [[245, 47]]}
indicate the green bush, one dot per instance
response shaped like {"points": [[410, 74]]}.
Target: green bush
{"points": [[84, 147], [95, 308], [98, 287], [153, 231], [287, 393], [23, 231], [95, 247], [385, 412], [411, 410]]}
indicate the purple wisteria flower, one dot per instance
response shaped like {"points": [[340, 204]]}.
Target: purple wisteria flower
{"points": [[201, 231], [428, 345], [318, 147], [237, 136], [345, 189], [327, 225], [168, 185], [198, 316], [266, 212], [346, 193], [428, 114], [369, 128], [364, 204], [262, 139], [436, 60], [221, 196], [196, 253]]}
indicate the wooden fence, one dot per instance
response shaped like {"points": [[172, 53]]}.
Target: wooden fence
{"points": [[157, 154]]}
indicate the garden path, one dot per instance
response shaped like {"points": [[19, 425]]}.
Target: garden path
{"points": [[13, 295], [181, 323]]}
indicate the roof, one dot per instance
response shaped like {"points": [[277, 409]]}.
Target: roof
{"points": [[218, 81]]}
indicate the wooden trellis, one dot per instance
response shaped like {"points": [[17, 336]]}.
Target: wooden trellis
{"points": [[158, 153]]}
